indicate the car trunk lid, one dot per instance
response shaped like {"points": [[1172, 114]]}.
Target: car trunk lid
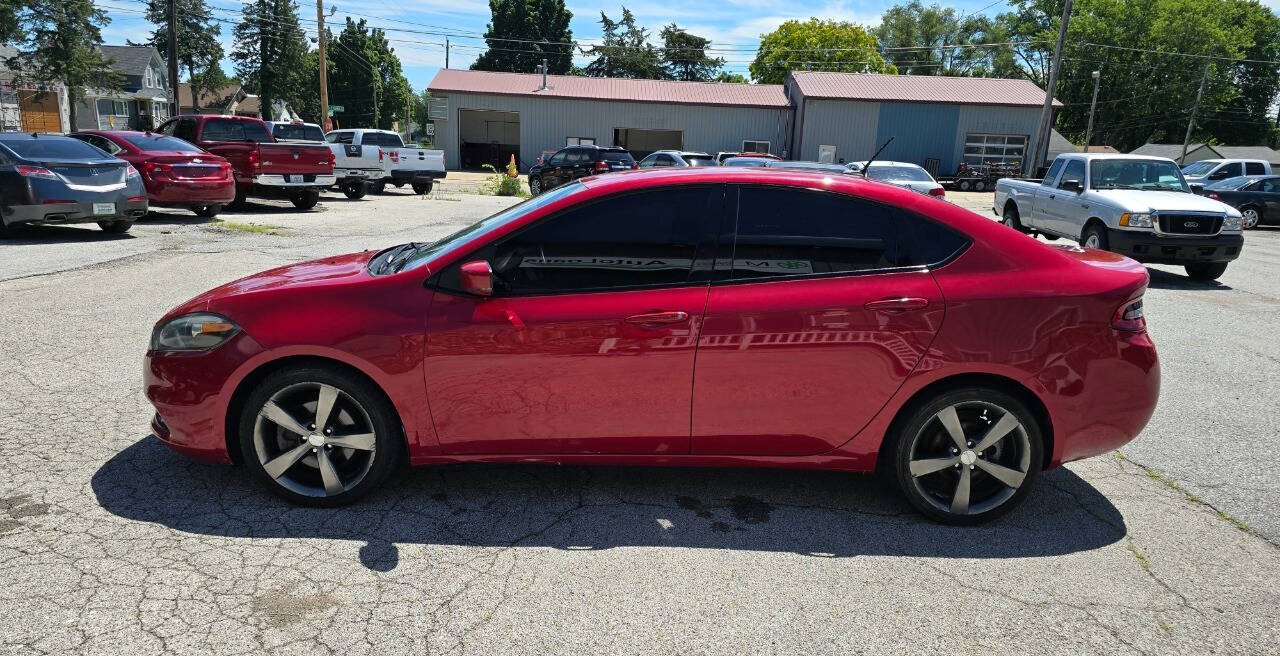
{"points": [[189, 166], [88, 174]]}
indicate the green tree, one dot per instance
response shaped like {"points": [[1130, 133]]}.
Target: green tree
{"points": [[821, 45], [625, 51], [684, 55], [522, 33], [59, 43], [736, 78], [10, 30], [199, 49], [270, 54], [933, 33], [362, 65]]}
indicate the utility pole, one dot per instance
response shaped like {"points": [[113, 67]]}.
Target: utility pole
{"points": [[373, 80], [1195, 109], [446, 52], [173, 61], [324, 68], [1093, 106], [1046, 114]]}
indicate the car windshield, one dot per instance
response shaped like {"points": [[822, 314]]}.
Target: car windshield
{"points": [[700, 160], [299, 132], [1230, 184], [154, 142], [424, 252], [898, 173], [51, 147], [1146, 174], [1198, 168]]}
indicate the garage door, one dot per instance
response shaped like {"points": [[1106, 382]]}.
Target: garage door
{"points": [[641, 142], [488, 137], [39, 111]]}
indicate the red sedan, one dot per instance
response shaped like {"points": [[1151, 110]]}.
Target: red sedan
{"points": [[175, 173], [704, 317]]}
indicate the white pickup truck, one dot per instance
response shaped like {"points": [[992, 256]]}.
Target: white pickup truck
{"points": [[1129, 204], [400, 164]]}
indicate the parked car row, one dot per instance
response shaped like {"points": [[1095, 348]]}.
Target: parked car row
{"points": [[198, 162]]}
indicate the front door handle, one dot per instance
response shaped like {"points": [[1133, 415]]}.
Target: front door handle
{"points": [[1052, 196], [657, 318], [896, 305]]}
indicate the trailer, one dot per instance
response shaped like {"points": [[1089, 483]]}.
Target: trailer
{"points": [[980, 177]]}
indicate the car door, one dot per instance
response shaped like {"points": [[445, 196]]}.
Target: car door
{"points": [[1226, 170], [587, 344], [1269, 192], [818, 322], [1036, 217], [551, 172], [1062, 206]]}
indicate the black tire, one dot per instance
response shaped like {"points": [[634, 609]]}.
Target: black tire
{"points": [[115, 227], [398, 184], [963, 185], [242, 197], [924, 439], [377, 187], [1095, 234], [355, 190], [207, 211], [1049, 236], [8, 231], [1012, 219], [979, 185], [1206, 271], [1245, 214], [535, 186], [422, 188], [306, 200], [358, 403]]}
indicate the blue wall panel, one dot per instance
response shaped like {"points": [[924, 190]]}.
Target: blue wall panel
{"points": [[920, 131]]}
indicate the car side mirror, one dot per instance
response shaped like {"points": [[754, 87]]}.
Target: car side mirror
{"points": [[477, 278], [1072, 186]]}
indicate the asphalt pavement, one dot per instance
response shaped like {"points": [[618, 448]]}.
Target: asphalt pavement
{"points": [[111, 544]]}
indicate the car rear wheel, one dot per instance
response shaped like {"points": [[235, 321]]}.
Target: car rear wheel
{"points": [[242, 197], [1095, 236], [207, 211], [319, 436], [116, 227], [1206, 271], [1012, 219], [421, 188], [306, 200], [355, 190], [968, 456], [1250, 217], [535, 186]]}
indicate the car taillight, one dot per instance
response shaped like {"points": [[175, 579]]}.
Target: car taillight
{"points": [[154, 170], [254, 162], [1213, 195], [1129, 317], [635, 165], [131, 172], [35, 172], [379, 154], [602, 166], [939, 192], [333, 159]]}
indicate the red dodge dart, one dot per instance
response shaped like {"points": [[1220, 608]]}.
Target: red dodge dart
{"points": [[701, 317], [175, 173]]}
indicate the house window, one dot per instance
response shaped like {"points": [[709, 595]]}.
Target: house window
{"points": [[148, 80], [580, 141], [749, 146], [994, 149]]}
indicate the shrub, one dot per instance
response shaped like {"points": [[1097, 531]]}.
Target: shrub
{"points": [[506, 183]]}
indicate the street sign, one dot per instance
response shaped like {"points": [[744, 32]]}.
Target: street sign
{"points": [[430, 129], [336, 109]]}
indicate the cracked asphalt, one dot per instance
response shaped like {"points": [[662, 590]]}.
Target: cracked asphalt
{"points": [[111, 544]]}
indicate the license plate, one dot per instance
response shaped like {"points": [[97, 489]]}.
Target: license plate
{"points": [[104, 209], [293, 178]]}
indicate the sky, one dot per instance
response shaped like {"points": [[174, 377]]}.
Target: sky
{"points": [[416, 28]]}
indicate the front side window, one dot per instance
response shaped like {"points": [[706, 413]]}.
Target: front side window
{"points": [[642, 239], [557, 159], [1073, 173]]}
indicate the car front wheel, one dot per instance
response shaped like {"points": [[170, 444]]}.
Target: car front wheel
{"points": [[1250, 217], [319, 436], [968, 456], [535, 186], [1095, 236], [1206, 271]]}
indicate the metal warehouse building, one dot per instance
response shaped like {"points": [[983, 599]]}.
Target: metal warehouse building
{"points": [[485, 117]]}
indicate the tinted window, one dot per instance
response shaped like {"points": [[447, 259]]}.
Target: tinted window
{"points": [[298, 132], [51, 147], [926, 242], [700, 160], [787, 232], [1074, 172], [382, 139], [230, 130], [557, 159], [1254, 168], [149, 142], [640, 239], [1229, 171], [1271, 185], [340, 137], [1053, 172], [615, 156]]}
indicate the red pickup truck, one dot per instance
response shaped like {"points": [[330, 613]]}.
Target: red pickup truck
{"points": [[263, 168]]}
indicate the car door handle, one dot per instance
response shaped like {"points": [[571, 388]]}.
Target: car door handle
{"points": [[657, 318], [1052, 196], [896, 305]]}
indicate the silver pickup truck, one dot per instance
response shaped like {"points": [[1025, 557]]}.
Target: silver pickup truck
{"points": [[1129, 204], [401, 164]]}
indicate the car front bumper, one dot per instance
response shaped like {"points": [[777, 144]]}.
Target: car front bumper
{"points": [[1151, 248]]}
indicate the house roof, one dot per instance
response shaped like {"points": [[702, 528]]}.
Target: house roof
{"points": [[1171, 151], [598, 88], [1112, 150], [920, 88], [130, 60], [218, 99], [1249, 152], [1059, 143]]}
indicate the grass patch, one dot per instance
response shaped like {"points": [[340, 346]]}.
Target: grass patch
{"points": [[251, 228], [440, 195], [1140, 557], [1188, 495]]}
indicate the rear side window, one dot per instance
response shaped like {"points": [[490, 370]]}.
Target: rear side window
{"points": [[231, 130], [1053, 173], [698, 160], [341, 137], [298, 132], [53, 147], [788, 232], [925, 242], [151, 142], [1254, 168]]}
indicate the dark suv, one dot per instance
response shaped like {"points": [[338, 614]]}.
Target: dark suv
{"points": [[573, 162]]}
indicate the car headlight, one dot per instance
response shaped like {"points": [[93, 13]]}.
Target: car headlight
{"points": [[193, 332], [1232, 222], [1135, 220]]}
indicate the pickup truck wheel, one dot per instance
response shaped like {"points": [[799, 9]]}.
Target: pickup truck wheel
{"points": [[120, 227], [1012, 219], [1251, 217], [378, 187], [1206, 271], [421, 188], [1095, 236], [355, 190], [241, 198], [535, 186], [306, 200], [207, 211]]}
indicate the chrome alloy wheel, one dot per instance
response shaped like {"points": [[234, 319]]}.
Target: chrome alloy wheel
{"points": [[1093, 241], [970, 457], [1249, 218], [314, 439]]}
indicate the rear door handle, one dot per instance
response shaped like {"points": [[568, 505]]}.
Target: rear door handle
{"points": [[657, 318], [895, 305]]}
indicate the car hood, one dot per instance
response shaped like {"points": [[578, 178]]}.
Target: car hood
{"points": [[1134, 200], [309, 275]]}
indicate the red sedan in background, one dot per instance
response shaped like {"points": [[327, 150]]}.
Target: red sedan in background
{"points": [[704, 317], [175, 173]]}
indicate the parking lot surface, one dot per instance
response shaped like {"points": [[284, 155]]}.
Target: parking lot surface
{"points": [[111, 544]]}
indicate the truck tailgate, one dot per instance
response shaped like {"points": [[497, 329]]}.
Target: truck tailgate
{"points": [[294, 159]]}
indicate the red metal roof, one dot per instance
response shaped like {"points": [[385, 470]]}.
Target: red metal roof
{"points": [[598, 88], [920, 88]]}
